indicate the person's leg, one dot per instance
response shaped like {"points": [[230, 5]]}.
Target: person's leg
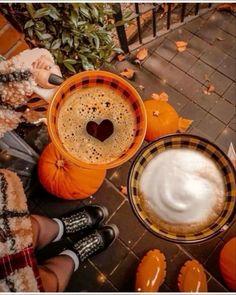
{"points": [[44, 229], [55, 273]]}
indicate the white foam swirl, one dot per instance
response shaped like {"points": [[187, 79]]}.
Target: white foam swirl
{"points": [[181, 186]]}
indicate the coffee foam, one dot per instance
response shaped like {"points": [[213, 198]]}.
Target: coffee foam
{"points": [[182, 190], [96, 104]]}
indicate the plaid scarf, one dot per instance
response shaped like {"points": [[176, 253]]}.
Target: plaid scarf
{"points": [[18, 266]]}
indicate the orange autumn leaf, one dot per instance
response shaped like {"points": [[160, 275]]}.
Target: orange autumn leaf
{"points": [[227, 6], [184, 124], [127, 73], [155, 96], [123, 190], [211, 88], [181, 45], [141, 87], [162, 96], [142, 54], [121, 57]]}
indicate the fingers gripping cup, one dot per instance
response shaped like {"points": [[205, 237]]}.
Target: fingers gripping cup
{"points": [[97, 120]]}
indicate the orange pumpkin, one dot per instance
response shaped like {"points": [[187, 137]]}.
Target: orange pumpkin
{"points": [[64, 179], [228, 263], [162, 119]]}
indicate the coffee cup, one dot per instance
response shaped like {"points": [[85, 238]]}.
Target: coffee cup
{"points": [[94, 131]]}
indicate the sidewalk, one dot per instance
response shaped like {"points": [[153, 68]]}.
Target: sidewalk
{"points": [[183, 76], [211, 51]]}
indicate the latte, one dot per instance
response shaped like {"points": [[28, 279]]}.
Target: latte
{"points": [[182, 191], [96, 124]]}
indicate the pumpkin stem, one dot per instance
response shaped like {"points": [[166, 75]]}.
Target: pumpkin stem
{"points": [[156, 113], [60, 163]]}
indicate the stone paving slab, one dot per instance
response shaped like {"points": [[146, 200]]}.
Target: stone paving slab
{"points": [[184, 78]]}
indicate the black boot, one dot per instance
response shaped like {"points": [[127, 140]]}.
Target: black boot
{"points": [[84, 218], [95, 242]]}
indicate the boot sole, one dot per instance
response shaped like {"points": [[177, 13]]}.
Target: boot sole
{"points": [[105, 215], [116, 231]]}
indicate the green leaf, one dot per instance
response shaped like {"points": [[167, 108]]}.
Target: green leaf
{"points": [[30, 9], [54, 13], [42, 12], [30, 33], [85, 12], [81, 23], [70, 61], [76, 7], [52, 29], [59, 56], [85, 63], [74, 18], [56, 44], [43, 36], [65, 37], [118, 50], [67, 48], [76, 42], [96, 41], [29, 24], [40, 26], [69, 67], [95, 12]]}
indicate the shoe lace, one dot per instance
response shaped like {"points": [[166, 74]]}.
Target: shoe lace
{"points": [[88, 246]]}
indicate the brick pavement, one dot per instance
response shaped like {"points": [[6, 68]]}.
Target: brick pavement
{"points": [[210, 55]]}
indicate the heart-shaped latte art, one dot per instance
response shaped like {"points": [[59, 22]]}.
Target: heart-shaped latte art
{"points": [[100, 131]]}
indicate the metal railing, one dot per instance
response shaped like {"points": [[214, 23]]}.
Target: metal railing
{"points": [[182, 8]]}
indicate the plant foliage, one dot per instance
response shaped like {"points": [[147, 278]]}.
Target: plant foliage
{"points": [[77, 34]]}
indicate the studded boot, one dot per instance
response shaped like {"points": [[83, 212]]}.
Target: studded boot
{"points": [[95, 242], [84, 218]]}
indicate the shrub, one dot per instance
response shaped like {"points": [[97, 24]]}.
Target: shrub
{"points": [[78, 35]]}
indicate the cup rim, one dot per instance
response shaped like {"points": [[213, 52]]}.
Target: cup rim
{"points": [[223, 228], [56, 141]]}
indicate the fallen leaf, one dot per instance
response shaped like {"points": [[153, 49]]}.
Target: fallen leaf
{"points": [[211, 88], [128, 73], [232, 155], [181, 45], [206, 77], [156, 113], [227, 6], [121, 57], [141, 87], [123, 190], [162, 96], [142, 54], [155, 96], [184, 124]]}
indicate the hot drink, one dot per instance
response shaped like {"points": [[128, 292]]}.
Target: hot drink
{"points": [[182, 191], [96, 124]]}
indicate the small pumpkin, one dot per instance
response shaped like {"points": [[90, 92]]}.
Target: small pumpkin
{"points": [[64, 179], [151, 272], [162, 119], [227, 263]]}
